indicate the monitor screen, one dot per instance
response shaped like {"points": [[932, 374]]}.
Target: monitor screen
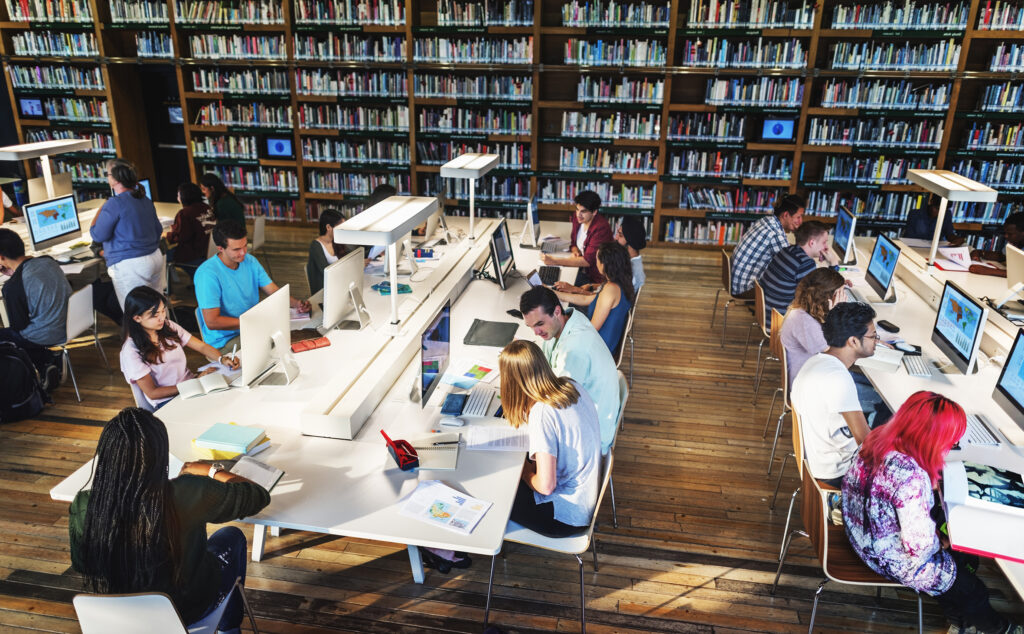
{"points": [[174, 115], [534, 211], [52, 222], [882, 265], [778, 130], [144, 183], [31, 108], [1009, 392], [843, 239], [959, 322], [279, 147], [435, 347], [501, 253]]}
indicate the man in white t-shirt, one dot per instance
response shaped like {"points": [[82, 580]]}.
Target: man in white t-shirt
{"points": [[825, 395]]}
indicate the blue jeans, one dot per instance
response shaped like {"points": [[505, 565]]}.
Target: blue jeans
{"points": [[875, 410], [228, 546]]}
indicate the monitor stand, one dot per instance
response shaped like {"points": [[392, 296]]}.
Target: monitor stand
{"points": [[528, 237], [1010, 294], [285, 368], [362, 314]]}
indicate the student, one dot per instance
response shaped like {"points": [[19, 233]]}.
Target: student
{"points": [[589, 231], [761, 242], [225, 205], [801, 333], [889, 505], [608, 306], [229, 284], [138, 531], [188, 233], [9, 211], [560, 481], [921, 223], [324, 251], [793, 263], [36, 298], [632, 235], [1013, 233], [130, 232], [153, 353], [574, 349], [825, 395], [379, 193]]}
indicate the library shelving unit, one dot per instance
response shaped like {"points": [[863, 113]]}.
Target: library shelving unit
{"points": [[658, 105]]}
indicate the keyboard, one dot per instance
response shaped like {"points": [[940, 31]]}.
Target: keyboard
{"points": [[854, 296], [479, 400], [978, 433], [917, 366], [549, 274]]}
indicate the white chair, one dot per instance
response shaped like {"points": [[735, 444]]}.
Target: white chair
{"points": [[623, 398], [140, 398], [166, 284], [572, 545], [259, 239], [627, 335], [81, 318], [153, 613]]}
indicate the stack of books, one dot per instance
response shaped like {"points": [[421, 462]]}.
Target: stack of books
{"points": [[227, 441]]}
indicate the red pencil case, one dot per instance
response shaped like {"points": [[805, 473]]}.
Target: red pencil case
{"points": [[310, 344]]}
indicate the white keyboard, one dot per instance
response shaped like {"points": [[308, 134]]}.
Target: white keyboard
{"points": [[917, 366], [854, 296], [978, 433], [479, 400]]}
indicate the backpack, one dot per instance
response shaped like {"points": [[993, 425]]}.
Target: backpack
{"points": [[21, 392]]}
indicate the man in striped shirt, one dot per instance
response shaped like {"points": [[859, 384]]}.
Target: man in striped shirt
{"points": [[792, 263]]}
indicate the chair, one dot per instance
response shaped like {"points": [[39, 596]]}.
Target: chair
{"points": [[153, 613], [140, 398], [211, 247], [81, 318], [259, 239], [727, 287], [165, 282], [761, 321], [838, 560], [798, 450], [572, 545], [779, 352], [623, 398], [627, 335]]}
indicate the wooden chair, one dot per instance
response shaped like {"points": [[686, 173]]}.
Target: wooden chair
{"points": [[761, 321], [838, 560], [727, 287], [777, 351], [798, 456]]}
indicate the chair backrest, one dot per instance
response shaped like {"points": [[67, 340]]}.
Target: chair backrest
{"points": [[199, 321], [152, 613], [620, 349], [726, 271], [759, 309], [607, 461], [211, 247], [798, 442], [259, 232], [80, 314], [623, 398], [165, 277], [140, 397], [779, 351], [813, 512]]}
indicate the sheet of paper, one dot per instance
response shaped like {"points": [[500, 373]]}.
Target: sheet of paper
{"points": [[435, 503], [950, 265], [884, 359], [921, 243], [960, 255], [465, 373], [493, 438]]}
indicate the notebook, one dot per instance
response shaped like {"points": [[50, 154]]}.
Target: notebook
{"points": [[208, 384], [231, 437], [261, 473], [497, 334]]}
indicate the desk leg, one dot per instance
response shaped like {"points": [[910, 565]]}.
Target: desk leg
{"points": [[259, 540], [275, 531], [416, 562]]}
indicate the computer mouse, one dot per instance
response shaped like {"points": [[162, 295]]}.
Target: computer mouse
{"points": [[452, 421], [904, 347]]}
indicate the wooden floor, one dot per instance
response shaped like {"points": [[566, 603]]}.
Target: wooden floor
{"points": [[695, 549]]}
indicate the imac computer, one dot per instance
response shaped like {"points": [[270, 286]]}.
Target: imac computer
{"points": [[882, 266], [959, 323], [52, 222], [501, 254], [1014, 273], [266, 342], [1009, 390], [61, 187], [530, 237], [842, 242], [343, 285], [435, 350]]}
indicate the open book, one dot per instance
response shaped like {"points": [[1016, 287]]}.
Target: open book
{"points": [[213, 382], [261, 473]]}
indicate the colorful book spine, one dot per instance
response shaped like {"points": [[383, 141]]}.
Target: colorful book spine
{"points": [[486, 13], [1003, 97], [710, 232], [714, 52], [875, 170], [1007, 16], [50, 44], [718, 127], [493, 189], [998, 174], [91, 172], [370, 151], [759, 14], [471, 120], [764, 91], [486, 50], [73, 77], [872, 205], [255, 115], [226, 12], [350, 12], [261, 179], [215, 46], [607, 161], [278, 210], [885, 94], [609, 13], [71, 11], [337, 117], [995, 136], [353, 83], [878, 132], [511, 155], [359, 184], [592, 89], [241, 81], [906, 15], [153, 44], [503, 87], [225, 146], [74, 109], [347, 46], [745, 200], [563, 192], [1008, 58], [102, 143], [149, 12], [612, 125], [621, 52], [876, 55]]}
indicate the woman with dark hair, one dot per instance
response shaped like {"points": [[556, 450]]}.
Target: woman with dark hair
{"points": [[188, 233], [225, 205], [153, 352], [138, 531], [816, 294], [608, 306], [324, 251], [888, 505], [127, 226]]}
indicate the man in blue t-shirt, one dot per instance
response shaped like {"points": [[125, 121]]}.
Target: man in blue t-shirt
{"points": [[228, 284], [792, 264]]}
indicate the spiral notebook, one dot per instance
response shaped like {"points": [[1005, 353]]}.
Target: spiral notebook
{"points": [[433, 456]]}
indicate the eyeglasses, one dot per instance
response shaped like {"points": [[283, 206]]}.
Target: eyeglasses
{"points": [[875, 336]]}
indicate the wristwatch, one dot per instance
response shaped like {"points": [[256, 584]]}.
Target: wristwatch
{"points": [[214, 468]]}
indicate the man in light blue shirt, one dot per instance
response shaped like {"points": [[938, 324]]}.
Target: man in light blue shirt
{"points": [[228, 284], [574, 349]]}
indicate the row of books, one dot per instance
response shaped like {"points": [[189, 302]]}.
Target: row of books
{"points": [[350, 12], [357, 184], [472, 120], [885, 93], [52, 44], [347, 46], [607, 161], [995, 136], [563, 192], [719, 127], [256, 115], [76, 109], [225, 146], [877, 170], [487, 13], [711, 163], [483, 50], [621, 89], [714, 52], [512, 155], [102, 142], [689, 231], [873, 205], [753, 14], [876, 132], [364, 118], [153, 44], [1007, 58], [218, 46], [987, 213], [499, 87], [375, 151], [229, 12], [763, 91], [746, 200], [257, 178], [147, 11], [996, 174], [316, 207], [1003, 97], [621, 52], [88, 172], [609, 13], [875, 55], [75, 77], [497, 188], [351, 83], [49, 10], [274, 209], [240, 81], [1001, 15], [612, 125], [903, 14]]}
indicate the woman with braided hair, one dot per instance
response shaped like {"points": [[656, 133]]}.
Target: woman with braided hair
{"points": [[138, 531]]}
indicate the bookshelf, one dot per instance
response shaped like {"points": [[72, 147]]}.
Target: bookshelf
{"points": [[658, 105]]}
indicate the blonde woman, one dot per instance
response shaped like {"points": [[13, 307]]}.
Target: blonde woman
{"points": [[562, 474]]}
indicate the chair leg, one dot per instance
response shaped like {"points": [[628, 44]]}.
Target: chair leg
{"points": [[775, 443], [878, 595], [768, 417], [782, 559], [248, 609], [630, 361], [96, 340], [778, 482], [593, 548], [714, 310], [583, 600], [789, 518], [725, 320], [746, 346], [920, 615], [615, 517], [490, 585], [757, 372], [71, 371], [814, 608]]}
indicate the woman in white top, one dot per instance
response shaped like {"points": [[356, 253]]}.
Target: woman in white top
{"points": [[801, 334], [153, 353], [562, 474], [324, 251]]}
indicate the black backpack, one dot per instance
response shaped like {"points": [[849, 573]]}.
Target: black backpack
{"points": [[21, 391]]}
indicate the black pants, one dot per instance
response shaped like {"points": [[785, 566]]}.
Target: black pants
{"points": [[539, 517], [966, 601], [41, 355]]}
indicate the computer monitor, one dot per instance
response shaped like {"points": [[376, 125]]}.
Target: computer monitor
{"points": [[959, 322], [775, 130], [882, 265], [842, 242], [531, 226], [281, 148], [1014, 273], [61, 187], [175, 115], [343, 285], [52, 222], [501, 253], [31, 108], [435, 349], [1009, 390], [144, 183], [266, 341]]}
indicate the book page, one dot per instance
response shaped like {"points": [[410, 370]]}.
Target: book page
{"points": [[497, 439], [190, 388], [259, 472], [213, 382]]}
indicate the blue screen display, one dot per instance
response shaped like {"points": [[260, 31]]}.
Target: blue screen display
{"points": [[279, 147], [958, 320], [778, 129], [1011, 381], [145, 187], [844, 222], [883, 261]]}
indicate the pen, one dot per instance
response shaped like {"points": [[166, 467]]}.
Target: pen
{"points": [[233, 349], [449, 442]]}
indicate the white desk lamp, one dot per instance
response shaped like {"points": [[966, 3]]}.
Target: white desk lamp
{"points": [[471, 166], [949, 186], [42, 151]]}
